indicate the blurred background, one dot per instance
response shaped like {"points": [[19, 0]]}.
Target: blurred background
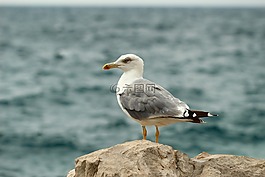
{"points": [[56, 102]]}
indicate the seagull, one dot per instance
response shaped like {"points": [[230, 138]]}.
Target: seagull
{"points": [[147, 102]]}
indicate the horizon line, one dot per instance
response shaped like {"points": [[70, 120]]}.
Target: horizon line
{"points": [[138, 5]]}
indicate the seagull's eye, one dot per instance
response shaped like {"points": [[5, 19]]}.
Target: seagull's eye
{"points": [[127, 60]]}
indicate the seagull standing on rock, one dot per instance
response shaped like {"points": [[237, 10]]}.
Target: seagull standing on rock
{"points": [[147, 102]]}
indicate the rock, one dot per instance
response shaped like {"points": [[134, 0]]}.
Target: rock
{"points": [[144, 158], [137, 158], [71, 173], [230, 165]]}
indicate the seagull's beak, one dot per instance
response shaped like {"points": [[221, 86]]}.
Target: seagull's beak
{"points": [[110, 66]]}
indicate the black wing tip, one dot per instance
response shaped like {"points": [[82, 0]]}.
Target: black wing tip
{"points": [[197, 120], [195, 113]]}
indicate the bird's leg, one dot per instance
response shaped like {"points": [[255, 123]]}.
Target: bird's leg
{"points": [[144, 132], [157, 134]]}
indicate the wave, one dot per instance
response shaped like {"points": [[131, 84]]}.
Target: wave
{"points": [[39, 140], [20, 100]]}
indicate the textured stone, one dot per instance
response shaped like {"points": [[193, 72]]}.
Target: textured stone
{"points": [[144, 158], [71, 173], [230, 165]]}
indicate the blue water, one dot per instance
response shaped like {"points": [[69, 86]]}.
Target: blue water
{"points": [[56, 103]]}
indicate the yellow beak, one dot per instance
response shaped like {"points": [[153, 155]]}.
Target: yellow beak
{"points": [[110, 66]]}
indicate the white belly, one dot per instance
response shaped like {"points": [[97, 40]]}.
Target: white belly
{"points": [[161, 121]]}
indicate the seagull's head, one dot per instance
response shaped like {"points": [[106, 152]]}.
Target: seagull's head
{"points": [[126, 63]]}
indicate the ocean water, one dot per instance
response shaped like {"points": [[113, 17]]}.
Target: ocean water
{"points": [[56, 103]]}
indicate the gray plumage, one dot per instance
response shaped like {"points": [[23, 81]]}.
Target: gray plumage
{"points": [[144, 99]]}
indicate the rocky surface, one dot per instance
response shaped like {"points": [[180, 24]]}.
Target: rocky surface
{"points": [[144, 158]]}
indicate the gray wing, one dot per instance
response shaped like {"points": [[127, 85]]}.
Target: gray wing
{"points": [[144, 99]]}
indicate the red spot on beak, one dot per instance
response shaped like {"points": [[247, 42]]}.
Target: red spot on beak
{"points": [[109, 66], [106, 67]]}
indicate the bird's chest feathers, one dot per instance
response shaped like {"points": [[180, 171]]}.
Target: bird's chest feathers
{"points": [[126, 79]]}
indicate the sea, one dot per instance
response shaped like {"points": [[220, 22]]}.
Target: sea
{"points": [[56, 102]]}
